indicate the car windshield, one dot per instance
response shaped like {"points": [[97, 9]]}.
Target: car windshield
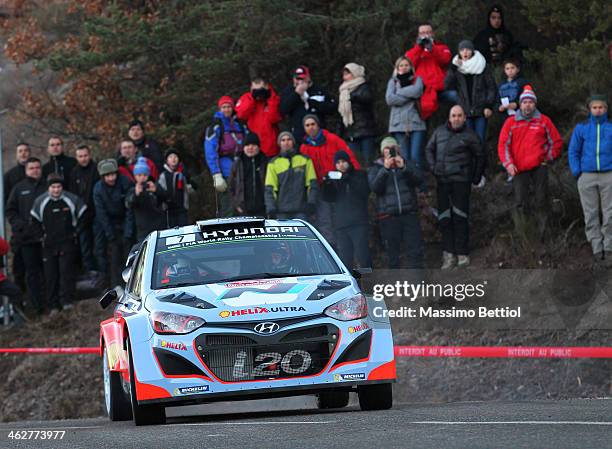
{"points": [[234, 254]]}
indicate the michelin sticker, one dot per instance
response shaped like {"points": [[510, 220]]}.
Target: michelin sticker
{"points": [[345, 377], [191, 390]]}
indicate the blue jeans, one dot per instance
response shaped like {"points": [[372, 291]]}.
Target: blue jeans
{"points": [[448, 96], [411, 146], [364, 148], [479, 125]]}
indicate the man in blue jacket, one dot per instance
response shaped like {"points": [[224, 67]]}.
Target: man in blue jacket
{"points": [[590, 159]]}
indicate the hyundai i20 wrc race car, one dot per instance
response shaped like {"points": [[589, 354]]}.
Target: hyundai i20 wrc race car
{"points": [[242, 308]]}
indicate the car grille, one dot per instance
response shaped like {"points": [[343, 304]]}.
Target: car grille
{"points": [[295, 353]]}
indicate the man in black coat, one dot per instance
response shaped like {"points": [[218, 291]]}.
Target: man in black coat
{"points": [[456, 157], [27, 235], [11, 178], [393, 180], [59, 212], [17, 173], [348, 189], [59, 162], [146, 146], [82, 180], [302, 98]]}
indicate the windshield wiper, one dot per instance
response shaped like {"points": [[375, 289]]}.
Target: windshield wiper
{"points": [[180, 284]]}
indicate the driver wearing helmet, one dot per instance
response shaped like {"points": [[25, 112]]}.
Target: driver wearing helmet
{"points": [[281, 259]]}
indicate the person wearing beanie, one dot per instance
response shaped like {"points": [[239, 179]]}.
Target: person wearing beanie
{"points": [[145, 200], [145, 146], [260, 109], [348, 191], [590, 160], [456, 157], [430, 59], [128, 157], [528, 142], [27, 235], [114, 222], [496, 42], [473, 82], [393, 180], [60, 214], [303, 97], [223, 142], [291, 186], [59, 162], [321, 145], [404, 91], [356, 109], [175, 187], [248, 178]]}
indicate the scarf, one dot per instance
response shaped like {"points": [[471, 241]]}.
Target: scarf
{"points": [[346, 88], [318, 140], [473, 66]]}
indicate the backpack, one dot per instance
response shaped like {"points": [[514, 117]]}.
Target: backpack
{"points": [[230, 144]]}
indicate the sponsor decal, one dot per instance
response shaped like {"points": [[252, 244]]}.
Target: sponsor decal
{"points": [[191, 390], [266, 328], [233, 233], [345, 377], [253, 283], [354, 329], [172, 345], [259, 311]]}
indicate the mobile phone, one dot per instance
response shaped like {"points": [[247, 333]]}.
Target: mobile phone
{"points": [[334, 175], [392, 152]]}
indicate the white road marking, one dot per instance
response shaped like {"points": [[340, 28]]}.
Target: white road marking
{"points": [[252, 423], [581, 423]]}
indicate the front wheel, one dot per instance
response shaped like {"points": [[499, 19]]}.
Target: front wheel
{"points": [[144, 415], [375, 397], [118, 406]]}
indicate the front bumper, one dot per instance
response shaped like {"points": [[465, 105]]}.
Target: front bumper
{"points": [[231, 361]]}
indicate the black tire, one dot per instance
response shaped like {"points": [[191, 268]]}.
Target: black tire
{"points": [[375, 397], [332, 399], [144, 415], [116, 400]]}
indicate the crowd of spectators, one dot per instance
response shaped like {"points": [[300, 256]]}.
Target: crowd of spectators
{"points": [[72, 209]]}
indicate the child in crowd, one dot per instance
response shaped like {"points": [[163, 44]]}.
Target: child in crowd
{"points": [[175, 187], [510, 90]]}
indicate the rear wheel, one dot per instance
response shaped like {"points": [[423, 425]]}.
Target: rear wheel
{"points": [[375, 397], [144, 415], [118, 406], [332, 399]]}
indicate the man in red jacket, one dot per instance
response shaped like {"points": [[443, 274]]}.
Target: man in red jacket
{"points": [[321, 146], [260, 109], [528, 142], [430, 59]]}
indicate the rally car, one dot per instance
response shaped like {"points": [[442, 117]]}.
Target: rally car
{"points": [[242, 308]]}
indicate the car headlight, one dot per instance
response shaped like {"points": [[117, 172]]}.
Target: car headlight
{"points": [[173, 323], [348, 309]]}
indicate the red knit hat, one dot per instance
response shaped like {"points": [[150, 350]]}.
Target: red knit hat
{"points": [[224, 100], [528, 94]]}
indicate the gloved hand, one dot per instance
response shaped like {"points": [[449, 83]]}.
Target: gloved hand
{"points": [[219, 182]]}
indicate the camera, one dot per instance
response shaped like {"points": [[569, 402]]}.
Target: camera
{"points": [[392, 152]]}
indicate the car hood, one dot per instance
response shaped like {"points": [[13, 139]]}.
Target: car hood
{"points": [[255, 299]]}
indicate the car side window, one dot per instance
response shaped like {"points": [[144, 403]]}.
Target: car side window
{"points": [[136, 279]]}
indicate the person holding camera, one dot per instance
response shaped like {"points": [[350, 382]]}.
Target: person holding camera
{"points": [[291, 182], [347, 188], [430, 59], [393, 180], [248, 178], [145, 199], [260, 109], [455, 155]]}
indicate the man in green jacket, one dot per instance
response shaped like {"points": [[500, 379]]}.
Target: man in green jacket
{"points": [[291, 182]]}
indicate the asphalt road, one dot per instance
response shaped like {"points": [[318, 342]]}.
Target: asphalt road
{"points": [[534, 424]]}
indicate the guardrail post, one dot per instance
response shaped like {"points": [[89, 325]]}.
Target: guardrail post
{"points": [[6, 309]]}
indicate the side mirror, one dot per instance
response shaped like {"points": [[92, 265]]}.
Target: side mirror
{"points": [[108, 298], [125, 274], [359, 272]]}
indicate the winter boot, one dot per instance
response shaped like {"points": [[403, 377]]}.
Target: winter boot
{"points": [[448, 260], [463, 261]]}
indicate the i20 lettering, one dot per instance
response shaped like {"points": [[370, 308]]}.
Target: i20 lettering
{"points": [[272, 363]]}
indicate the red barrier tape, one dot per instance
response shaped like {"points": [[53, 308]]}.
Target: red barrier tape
{"points": [[535, 352], [93, 350]]}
